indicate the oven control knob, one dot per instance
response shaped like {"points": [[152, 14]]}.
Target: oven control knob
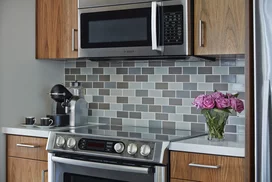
{"points": [[145, 150], [71, 143], [132, 149], [60, 141], [119, 147]]}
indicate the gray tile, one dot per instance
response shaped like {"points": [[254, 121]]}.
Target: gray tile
{"points": [[182, 78], [155, 78], [161, 71], [98, 85], [155, 124], [155, 63], [190, 118], [230, 129], [104, 106], [212, 63], [241, 95], [201, 119], [104, 78], [183, 94], [142, 108], [147, 100], [123, 85], [122, 71], [189, 86], [198, 127], [161, 86], [128, 64], [220, 87], [141, 78], [98, 71], [104, 92], [98, 99], [115, 121], [81, 78], [67, 84], [169, 109], [228, 62], [70, 77], [228, 78], [115, 64], [135, 115], [168, 125], [67, 71], [162, 117], [168, 78], [110, 84], [231, 137], [212, 78], [110, 71], [103, 64], [148, 71], [122, 134], [205, 70], [128, 107], [141, 93], [122, 114], [175, 70], [135, 71], [87, 84], [92, 78], [104, 120], [81, 64], [194, 110], [176, 102], [194, 94], [168, 63], [93, 105], [169, 93], [135, 135], [129, 78], [122, 99], [162, 137], [237, 70], [189, 70], [90, 112], [75, 71], [155, 108]]}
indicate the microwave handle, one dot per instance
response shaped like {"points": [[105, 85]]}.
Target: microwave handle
{"points": [[154, 30]]}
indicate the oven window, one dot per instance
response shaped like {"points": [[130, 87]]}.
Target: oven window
{"points": [[68, 177]]}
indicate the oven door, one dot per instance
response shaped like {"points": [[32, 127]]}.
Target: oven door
{"points": [[71, 170], [120, 31]]}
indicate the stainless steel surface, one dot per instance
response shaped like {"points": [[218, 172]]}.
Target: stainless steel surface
{"points": [[204, 166], [154, 30], [99, 3], [60, 141], [78, 111], [132, 148], [73, 40], [161, 174], [102, 166], [71, 143], [201, 24], [145, 150], [43, 175], [27, 146], [119, 147]]}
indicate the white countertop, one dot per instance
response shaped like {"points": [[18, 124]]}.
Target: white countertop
{"points": [[234, 147]]}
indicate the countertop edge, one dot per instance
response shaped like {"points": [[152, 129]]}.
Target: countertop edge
{"points": [[22, 132]]}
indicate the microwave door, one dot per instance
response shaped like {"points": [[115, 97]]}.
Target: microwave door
{"points": [[117, 31]]}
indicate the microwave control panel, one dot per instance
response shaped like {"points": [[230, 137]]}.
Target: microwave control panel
{"points": [[173, 25]]}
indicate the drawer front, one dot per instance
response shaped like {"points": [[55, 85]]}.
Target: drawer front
{"points": [[26, 147], [206, 168], [181, 180]]}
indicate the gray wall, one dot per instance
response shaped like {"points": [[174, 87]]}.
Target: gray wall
{"points": [[24, 81]]}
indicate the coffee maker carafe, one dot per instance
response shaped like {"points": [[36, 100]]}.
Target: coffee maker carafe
{"points": [[75, 106]]}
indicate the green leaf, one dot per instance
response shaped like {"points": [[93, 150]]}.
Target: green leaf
{"points": [[236, 95], [222, 110], [204, 111]]}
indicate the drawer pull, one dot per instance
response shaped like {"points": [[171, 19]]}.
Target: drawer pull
{"points": [[204, 166], [27, 146]]}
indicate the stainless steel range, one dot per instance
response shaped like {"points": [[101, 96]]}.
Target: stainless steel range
{"points": [[111, 153]]}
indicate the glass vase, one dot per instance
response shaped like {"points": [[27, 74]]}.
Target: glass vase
{"points": [[216, 121]]}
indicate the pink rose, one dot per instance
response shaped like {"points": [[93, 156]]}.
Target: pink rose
{"points": [[208, 102], [198, 102], [237, 104], [222, 103], [230, 95], [217, 95]]}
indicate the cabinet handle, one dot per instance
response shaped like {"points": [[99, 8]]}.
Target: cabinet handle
{"points": [[73, 39], [204, 166], [43, 175], [201, 24], [27, 146]]}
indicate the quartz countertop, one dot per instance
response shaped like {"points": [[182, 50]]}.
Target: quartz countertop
{"points": [[234, 147]]}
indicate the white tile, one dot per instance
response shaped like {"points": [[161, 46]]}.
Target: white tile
{"points": [[116, 78], [88, 98], [134, 85], [183, 126], [240, 79], [109, 71], [236, 87], [92, 91], [197, 63], [86, 71], [128, 122], [155, 78], [141, 123], [128, 93], [116, 107], [175, 86], [197, 78], [134, 100], [92, 64], [175, 117], [148, 85], [187, 102], [221, 70], [240, 62], [70, 64], [161, 101], [183, 109], [205, 86], [99, 113], [92, 119], [141, 64], [110, 99], [155, 93], [116, 92], [182, 63], [111, 114], [161, 71], [128, 128], [149, 116]]}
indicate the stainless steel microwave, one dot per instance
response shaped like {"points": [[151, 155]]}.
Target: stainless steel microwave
{"points": [[131, 29]]}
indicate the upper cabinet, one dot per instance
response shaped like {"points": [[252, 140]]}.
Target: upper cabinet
{"points": [[219, 27], [56, 29]]}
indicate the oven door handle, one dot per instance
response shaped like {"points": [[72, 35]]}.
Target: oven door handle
{"points": [[112, 167]]}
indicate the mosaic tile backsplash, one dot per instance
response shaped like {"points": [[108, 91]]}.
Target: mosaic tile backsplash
{"points": [[156, 94]]}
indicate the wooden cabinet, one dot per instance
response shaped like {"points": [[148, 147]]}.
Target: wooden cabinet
{"points": [[26, 159], [219, 27], [206, 168], [56, 29]]}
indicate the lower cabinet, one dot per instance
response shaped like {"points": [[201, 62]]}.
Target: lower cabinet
{"points": [[25, 170], [192, 167]]}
